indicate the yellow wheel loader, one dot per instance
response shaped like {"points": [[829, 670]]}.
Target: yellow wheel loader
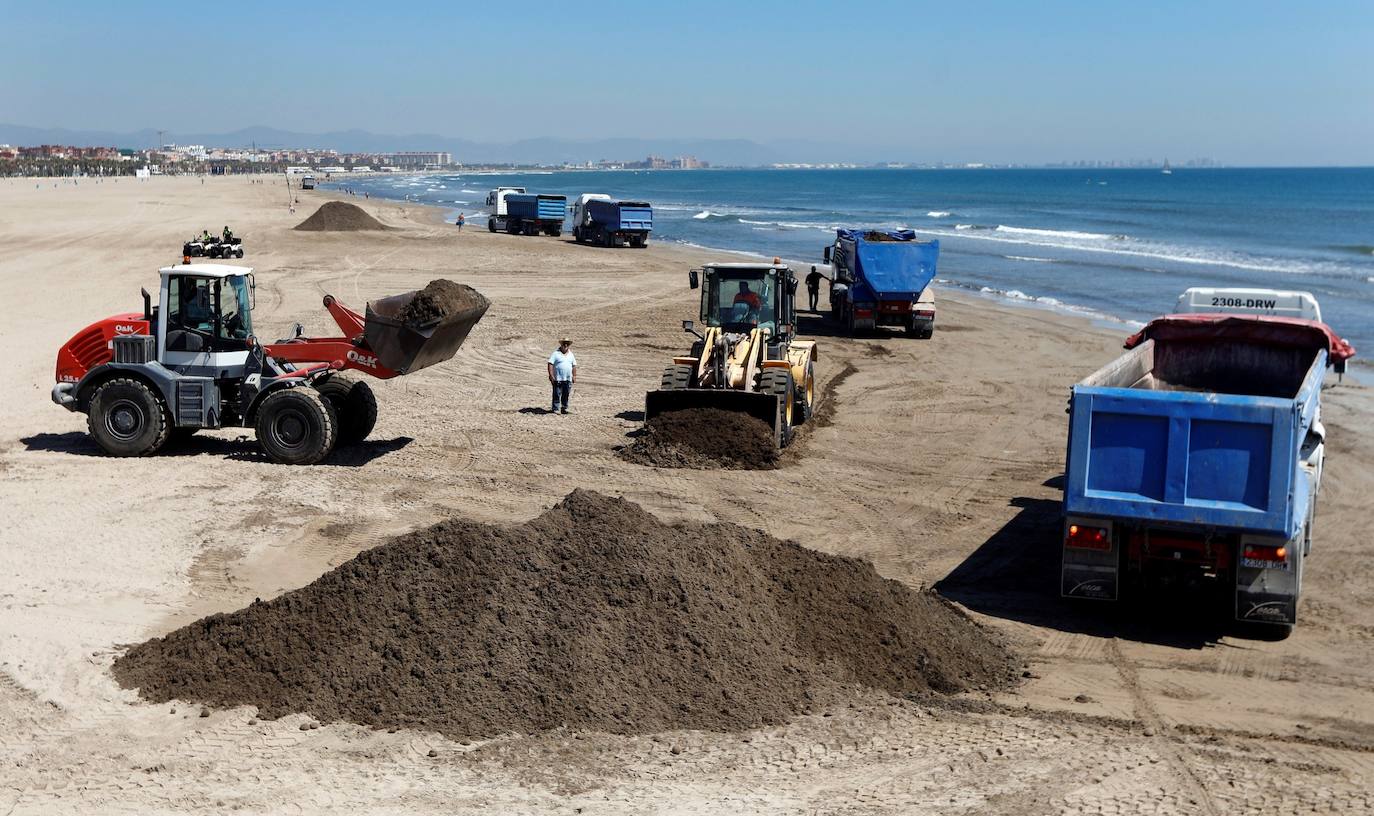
{"points": [[746, 357]]}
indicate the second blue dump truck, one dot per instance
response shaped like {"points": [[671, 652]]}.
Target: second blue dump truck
{"points": [[1194, 460], [533, 213], [613, 223], [882, 278]]}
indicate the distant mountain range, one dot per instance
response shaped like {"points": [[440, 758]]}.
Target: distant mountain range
{"points": [[545, 150]]}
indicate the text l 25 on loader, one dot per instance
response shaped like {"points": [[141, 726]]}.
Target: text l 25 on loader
{"points": [[192, 362], [746, 357]]}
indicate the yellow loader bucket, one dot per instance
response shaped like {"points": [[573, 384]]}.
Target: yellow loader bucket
{"points": [[765, 407]]}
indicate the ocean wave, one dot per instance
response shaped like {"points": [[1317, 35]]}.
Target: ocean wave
{"points": [[1054, 304], [1069, 234], [1029, 258], [466, 190], [706, 215], [939, 214]]}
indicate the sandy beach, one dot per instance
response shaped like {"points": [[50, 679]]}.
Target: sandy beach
{"points": [[941, 466]]}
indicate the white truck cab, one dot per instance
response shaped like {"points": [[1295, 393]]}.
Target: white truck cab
{"points": [[496, 200], [579, 207], [1277, 302]]}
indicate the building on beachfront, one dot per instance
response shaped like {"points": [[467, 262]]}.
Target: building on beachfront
{"points": [[420, 159]]}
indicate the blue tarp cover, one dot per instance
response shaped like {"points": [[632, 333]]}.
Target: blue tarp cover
{"points": [[895, 269]]}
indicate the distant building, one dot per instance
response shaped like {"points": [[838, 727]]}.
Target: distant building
{"points": [[419, 159]]}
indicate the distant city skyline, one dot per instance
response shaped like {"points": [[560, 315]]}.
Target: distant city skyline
{"points": [[1246, 83]]}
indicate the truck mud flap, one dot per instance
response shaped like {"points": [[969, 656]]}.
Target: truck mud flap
{"points": [[764, 407], [407, 349], [1268, 594], [1091, 573]]}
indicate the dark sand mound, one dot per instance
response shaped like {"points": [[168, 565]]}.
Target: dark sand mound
{"points": [[704, 438], [439, 299], [594, 615], [340, 216]]}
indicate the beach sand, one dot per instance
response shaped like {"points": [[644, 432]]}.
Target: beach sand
{"points": [[941, 467]]}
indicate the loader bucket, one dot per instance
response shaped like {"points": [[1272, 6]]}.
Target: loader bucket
{"points": [[407, 349], [761, 406]]}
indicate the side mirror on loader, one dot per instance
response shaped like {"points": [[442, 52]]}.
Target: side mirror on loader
{"points": [[692, 279]]}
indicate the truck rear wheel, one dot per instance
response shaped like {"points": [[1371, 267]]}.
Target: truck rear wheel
{"points": [[127, 418], [778, 381], [676, 378], [491, 225], [354, 404], [297, 426]]}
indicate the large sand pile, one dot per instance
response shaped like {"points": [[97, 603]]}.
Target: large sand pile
{"points": [[339, 216], [594, 615], [704, 438]]}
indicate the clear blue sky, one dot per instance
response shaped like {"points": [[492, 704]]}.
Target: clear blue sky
{"points": [[1245, 82]]}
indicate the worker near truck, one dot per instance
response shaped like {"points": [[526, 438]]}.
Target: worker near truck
{"points": [[562, 375], [813, 287]]}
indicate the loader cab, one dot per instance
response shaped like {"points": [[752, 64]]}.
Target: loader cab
{"points": [[741, 297], [205, 319]]}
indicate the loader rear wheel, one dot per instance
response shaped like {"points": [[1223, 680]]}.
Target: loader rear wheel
{"points": [[297, 426], [354, 405], [127, 418], [778, 381], [676, 378]]}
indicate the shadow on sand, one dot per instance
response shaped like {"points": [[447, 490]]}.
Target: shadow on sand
{"points": [[1015, 575], [243, 448]]}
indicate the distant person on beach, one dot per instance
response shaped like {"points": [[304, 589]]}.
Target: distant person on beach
{"points": [[562, 375], [813, 286], [460, 222]]}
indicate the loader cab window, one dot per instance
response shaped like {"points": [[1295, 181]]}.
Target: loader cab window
{"points": [[739, 300], [208, 314]]}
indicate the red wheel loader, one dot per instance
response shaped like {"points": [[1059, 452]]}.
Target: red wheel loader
{"points": [[193, 362]]}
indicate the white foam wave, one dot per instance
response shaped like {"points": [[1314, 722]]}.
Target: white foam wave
{"points": [[466, 190], [965, 226], [1055, 304], [1070, 234], [1031, 258], [939, 214], [705, 214]]}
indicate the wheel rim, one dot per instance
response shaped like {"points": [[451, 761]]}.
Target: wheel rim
{"points": [[290, 429], [125, 420]]}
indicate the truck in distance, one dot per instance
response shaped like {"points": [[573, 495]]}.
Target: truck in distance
{"points": [[882, 278], [608, 223], [1195, 459], [496, 200], [533, 213], [307, 182]]}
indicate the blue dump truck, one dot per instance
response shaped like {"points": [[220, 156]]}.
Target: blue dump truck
{"points": [[612, 223], [882, 278], [533, 213], [1194, 460]]}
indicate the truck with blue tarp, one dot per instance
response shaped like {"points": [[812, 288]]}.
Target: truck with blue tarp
{"points": [[1194, 460], [882, 278], [612, 223], [533, 213]]}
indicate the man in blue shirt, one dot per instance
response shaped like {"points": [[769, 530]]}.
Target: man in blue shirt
{"points": [[562, 374]]}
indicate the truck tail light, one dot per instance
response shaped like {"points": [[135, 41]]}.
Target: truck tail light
{"points": [[924, 313], [1261, 552], [862, 313], [1084, 537]]}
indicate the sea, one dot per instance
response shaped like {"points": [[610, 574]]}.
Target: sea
{"points": [[1117, 245]]}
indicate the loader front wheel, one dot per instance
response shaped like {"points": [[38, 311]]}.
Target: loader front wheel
{"points": [[778, 381], [354, 405], [297, 426], [127, 418], [806, 396], [676, 378]]}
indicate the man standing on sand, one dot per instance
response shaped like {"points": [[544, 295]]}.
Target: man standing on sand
{"points": [[461, 221], [813, 286], [562, 375]]}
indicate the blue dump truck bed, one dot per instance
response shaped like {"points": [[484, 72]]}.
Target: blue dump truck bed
{"points": [[621, 215], [895, 266], [536, 206], [1175, 433]]}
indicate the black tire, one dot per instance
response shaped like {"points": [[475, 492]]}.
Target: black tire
{"points": [[180, 436], [297, 426], [577, 234], [929, 332], [806, 397], [354, 404], [491, 225], [676, 378], [128, 418], [778, 381]]}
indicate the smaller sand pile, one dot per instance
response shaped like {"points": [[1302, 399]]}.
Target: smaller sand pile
{"points": [[339, 216], [594, 615], [704, 438], [439, 299]]}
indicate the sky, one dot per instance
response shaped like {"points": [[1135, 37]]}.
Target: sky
{"points": [[1262, 83]]}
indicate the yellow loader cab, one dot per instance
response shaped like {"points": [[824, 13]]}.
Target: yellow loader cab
{"points": [[746, 356]]}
